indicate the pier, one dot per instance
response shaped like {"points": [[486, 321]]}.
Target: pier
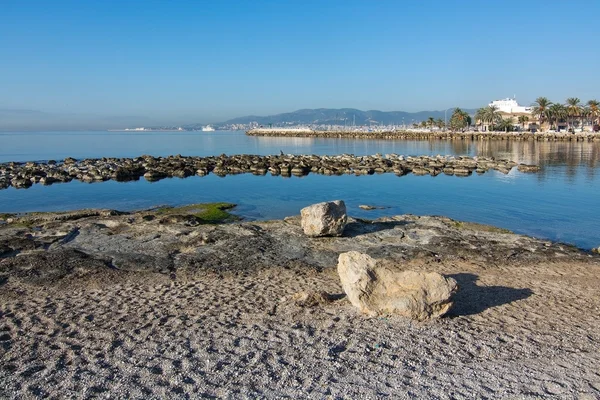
{"points": [[430, 135]]}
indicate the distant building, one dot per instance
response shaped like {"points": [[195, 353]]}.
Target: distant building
{"points": [[510, 106]]}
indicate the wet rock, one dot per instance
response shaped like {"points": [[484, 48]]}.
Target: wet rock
{"points": [[324, 219], [153, 176], [369, 208], [377, 289], [528, 168]]}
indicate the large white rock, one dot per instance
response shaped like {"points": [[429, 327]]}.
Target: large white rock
{"points": [[324, 219], [377, 289]]}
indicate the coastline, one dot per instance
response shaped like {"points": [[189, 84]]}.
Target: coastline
{"points": [[430, 135], [100, 302]]}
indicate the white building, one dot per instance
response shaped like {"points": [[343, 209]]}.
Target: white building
{"points": [[510, 106]]}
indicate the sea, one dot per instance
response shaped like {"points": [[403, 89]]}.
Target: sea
{"points": [[560, 203]]}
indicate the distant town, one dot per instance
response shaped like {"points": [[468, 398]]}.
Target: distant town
{"points": [[499, 115]]}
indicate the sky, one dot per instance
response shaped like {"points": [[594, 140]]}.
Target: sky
{"points": [[175, 62]]}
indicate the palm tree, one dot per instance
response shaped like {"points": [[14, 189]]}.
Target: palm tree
{"points": [[541, 109], [480, 116], [460, 119], [439, 123], [585, 113], [423, 124], [574, 108], [491, 116], [557, 112], [523, 119], [506, 124], [430, 122], [594, 110]]}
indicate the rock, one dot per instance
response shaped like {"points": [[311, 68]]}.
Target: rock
{"points": [[324, 219], [311, 298], [156, 168], [377, 289], [528, 168], [369, 208]]}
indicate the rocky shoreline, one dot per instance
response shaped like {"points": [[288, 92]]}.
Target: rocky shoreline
{"points": [[24, 175], [153, 304], [433, 135]]}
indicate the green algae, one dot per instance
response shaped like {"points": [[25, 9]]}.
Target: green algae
{"points": [[206, 213]]}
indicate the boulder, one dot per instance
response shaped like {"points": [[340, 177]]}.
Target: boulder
{"points": [[377, 289], [324, 219]]}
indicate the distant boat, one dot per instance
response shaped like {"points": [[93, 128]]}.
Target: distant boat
{"points": [[208, 128]]}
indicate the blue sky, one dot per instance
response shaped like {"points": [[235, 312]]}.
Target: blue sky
{"points": [[205, 61]]}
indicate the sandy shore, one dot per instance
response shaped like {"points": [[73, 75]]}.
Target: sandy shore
{"points": [[132, 306]]}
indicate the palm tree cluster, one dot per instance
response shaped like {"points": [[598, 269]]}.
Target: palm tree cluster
{"points": [[570, 112], [460, 120], [431, 123], [488, 115], [546, 112]]}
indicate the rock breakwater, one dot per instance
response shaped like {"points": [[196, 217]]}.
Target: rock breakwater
{"points": [[435, 135], [24, 175]]}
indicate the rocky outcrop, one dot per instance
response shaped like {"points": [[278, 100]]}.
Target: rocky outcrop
{"points": [[324, 219], [24, 175], [377, 289]]}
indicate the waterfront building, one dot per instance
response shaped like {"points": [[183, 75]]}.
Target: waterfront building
{"points": [[510, 106]]}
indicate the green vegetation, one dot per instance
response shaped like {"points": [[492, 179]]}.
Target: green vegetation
{"points": [[490, 115], [206, 213], [541, 109], [5, 216], [506, 124], [523, 119], [460, 119], [479, 227]]}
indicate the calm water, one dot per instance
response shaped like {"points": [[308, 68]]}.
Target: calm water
{"points": [[559, 203]]}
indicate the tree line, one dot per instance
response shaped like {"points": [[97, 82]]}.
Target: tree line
{"points": [[573, 113]]}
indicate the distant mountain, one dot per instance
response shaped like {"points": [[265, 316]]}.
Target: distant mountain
{"points": [[332, 116]]}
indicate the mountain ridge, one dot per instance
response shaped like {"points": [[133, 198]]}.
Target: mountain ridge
{"points": [[340, 116]]}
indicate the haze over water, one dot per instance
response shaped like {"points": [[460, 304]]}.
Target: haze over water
{"points": [[558, 203]]}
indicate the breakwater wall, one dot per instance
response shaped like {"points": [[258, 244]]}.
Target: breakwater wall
{"points": [[434, 135], [24, 175]]}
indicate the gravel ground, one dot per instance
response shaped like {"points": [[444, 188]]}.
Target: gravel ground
{"points": [[124, 307]]}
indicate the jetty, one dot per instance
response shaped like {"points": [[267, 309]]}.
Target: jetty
{"points": [[428, 135]]}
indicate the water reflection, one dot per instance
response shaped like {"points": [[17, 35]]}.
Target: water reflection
{"points": [[557, 159]]}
